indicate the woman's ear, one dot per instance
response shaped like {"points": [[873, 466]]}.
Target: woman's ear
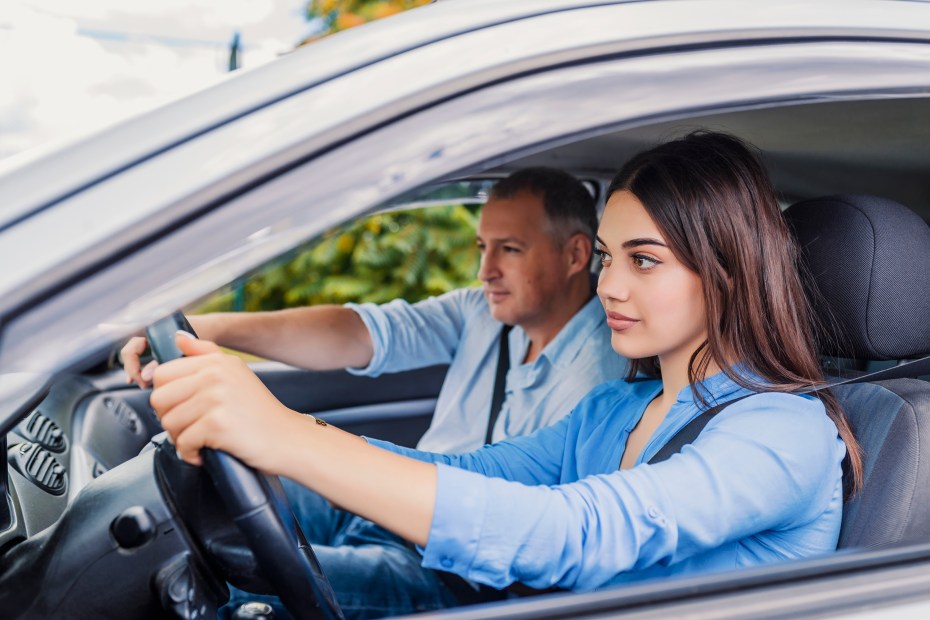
{"points": [[578, 250]]}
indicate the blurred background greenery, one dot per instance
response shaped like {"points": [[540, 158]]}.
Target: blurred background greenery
{"points": [[410, 254]]}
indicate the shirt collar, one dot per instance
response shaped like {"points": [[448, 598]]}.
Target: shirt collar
{"points": [[718, 388], [563, 349]]}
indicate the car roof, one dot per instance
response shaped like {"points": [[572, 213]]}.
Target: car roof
{"points": [[41, 178], [78, 165]]}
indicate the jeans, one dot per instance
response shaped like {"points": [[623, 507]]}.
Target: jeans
{"points": [[373, 572]]}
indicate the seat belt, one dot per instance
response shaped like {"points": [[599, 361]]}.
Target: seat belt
{"points": [[690, 431], [500, 380]]}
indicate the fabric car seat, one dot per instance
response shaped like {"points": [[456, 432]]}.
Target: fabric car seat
{"points": [[868, 263]]}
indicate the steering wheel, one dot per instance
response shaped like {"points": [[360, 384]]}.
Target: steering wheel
{"points": [[259, 508]]}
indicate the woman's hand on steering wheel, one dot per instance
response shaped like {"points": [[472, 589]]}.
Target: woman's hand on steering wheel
{"points": [[210, 399]]}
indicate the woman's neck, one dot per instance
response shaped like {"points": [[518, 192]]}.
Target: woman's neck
{"points": [[675, 375]]}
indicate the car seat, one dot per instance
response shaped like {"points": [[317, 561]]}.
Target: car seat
{"points": [[867, 262]]}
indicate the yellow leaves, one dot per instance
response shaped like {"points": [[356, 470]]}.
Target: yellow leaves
{"points": [[345, 14], [346, 20], [325, 6], [385, 9], [345, 244], [374, 225]]}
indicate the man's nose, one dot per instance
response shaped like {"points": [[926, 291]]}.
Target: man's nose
{"points": [[487, 267]]}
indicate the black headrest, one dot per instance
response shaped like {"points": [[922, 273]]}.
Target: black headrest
{"points": [[870, 259]]}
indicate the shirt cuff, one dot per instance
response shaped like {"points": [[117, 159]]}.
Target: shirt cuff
{"points": [[458, 520]]}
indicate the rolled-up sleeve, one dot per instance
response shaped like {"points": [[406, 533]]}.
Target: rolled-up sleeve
{"points": [[771, 461], [406, 336]]}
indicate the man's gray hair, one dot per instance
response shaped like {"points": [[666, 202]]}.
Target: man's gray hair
{"points": [[569, 206]]}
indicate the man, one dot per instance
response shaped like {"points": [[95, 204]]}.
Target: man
{"points": [[535, 236]]}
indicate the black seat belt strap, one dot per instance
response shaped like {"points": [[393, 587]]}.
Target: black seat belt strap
{"points": [[500, 380], [690, 431]]}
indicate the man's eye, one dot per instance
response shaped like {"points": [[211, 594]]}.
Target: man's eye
{"points": [[511, 249]]}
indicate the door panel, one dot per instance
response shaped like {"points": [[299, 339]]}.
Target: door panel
{"points": [[397, 407]]}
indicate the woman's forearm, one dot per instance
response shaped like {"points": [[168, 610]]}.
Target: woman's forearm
{"points": [[392, 490]]}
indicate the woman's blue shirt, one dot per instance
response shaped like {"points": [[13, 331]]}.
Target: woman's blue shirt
{"points": [[762, 483]]}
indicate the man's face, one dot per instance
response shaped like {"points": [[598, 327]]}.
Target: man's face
{"points": [[522, 267]]}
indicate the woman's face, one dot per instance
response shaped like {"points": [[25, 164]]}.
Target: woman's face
{"points": [[654, 304]]}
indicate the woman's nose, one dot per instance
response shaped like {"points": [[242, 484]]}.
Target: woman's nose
{"points": [[612, 285]]}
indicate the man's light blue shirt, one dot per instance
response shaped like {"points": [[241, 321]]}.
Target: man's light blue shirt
{"points": [[457, 329], [762, 483]]}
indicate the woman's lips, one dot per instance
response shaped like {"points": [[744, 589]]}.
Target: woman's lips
{"points": [[619, 322]]}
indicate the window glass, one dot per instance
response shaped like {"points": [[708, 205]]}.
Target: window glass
{"points": [[408, 253]]}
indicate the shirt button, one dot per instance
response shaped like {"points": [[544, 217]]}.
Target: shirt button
{"points": [[446, 562], [652, 512]]}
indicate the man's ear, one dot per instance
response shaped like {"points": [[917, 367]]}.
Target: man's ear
{"points": [[578, 250]]}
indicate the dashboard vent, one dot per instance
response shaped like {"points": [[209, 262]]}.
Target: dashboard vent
{"points": [[41, 467], [43, 431]]}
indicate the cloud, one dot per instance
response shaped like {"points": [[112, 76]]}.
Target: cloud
{"points": [[183, 16], [70, 68]]}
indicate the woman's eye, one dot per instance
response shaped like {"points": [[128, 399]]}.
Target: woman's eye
{"points": [[602, 257], [643, 262]]}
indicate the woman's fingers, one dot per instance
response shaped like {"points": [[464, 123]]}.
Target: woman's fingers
{"points": [[191, 345], [193, 427], [187, 366], [168, 396]]}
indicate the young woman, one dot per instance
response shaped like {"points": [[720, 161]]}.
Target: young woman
{"points": [[700, 287]]}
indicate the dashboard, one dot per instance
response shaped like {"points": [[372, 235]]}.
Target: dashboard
{"points": [[91, 423], [85, 426]]}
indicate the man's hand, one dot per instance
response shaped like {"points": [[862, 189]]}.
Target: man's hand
{"points": [[131, 354], [211, 399]]}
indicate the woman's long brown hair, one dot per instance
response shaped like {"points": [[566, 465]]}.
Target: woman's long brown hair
{"points": [[710, 196]]}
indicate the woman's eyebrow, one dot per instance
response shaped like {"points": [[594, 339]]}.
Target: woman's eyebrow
{"points": [[635, 243]]}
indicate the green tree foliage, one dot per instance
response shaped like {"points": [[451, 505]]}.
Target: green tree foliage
{"points": [[339, 15], [402, 254]]}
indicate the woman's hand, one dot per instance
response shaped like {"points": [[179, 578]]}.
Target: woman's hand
{"points": [[212, 399]]}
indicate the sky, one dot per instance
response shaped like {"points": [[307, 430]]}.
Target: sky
{"points": [[69, 67]]}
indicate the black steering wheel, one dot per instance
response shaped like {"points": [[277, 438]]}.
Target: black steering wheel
{"points": [[259, 508]]}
